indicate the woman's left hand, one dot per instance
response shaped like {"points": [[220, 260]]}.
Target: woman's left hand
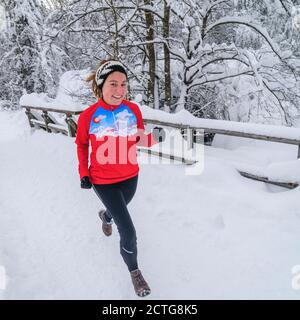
{"points": [[85, 183]]}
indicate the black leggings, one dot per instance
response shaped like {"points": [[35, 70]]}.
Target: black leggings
{"points": [[115, 198]]}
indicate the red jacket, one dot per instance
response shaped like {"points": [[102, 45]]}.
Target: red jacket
{"points": [[113, 132]]}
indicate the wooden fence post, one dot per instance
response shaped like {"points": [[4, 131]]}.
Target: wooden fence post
{"points": [[190, 137], [30, 116], [72, 126], [47, 120]]}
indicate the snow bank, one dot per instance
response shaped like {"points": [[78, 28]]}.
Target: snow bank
{"points": [[72, 87]]}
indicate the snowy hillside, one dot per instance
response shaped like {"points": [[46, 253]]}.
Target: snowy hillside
{"points": [[211, 236]]}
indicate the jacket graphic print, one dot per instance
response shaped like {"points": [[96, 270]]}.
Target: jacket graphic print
{"points": [[121, 122]]}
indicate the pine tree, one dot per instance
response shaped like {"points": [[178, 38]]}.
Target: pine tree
{"points": [[21, 64]]}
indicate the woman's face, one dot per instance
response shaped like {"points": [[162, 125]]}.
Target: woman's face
{"points": [[114, 89]]}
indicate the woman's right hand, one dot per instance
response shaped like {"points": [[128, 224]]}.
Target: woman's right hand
{"points": [[159, 134], [85, 183]]}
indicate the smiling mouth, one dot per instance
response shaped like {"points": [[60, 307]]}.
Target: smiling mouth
{"points": [[117, 97]]}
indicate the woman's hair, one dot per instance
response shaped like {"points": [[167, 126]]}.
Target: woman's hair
{"points": [[97, 90], [92, 77]]}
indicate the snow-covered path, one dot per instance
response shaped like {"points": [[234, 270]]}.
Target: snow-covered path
{"points": [[212, 236]]}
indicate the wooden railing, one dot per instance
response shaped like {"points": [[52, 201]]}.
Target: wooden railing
{"points": [[191, 130], [47, 122]]}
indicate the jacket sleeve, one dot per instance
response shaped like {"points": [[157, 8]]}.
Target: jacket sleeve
{"points": [[82, 141], [143, 139]]}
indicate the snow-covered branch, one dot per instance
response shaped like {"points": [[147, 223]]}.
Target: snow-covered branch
{"points": [[248, 23]]}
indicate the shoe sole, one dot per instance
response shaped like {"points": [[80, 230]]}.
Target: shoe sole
{"points": [[144, 293]]}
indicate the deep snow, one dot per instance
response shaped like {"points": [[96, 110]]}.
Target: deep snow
{"points": [[211, 236]]}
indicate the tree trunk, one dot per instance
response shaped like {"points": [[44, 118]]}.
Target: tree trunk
{"points": [[167, 64], [181, 103], [151, 56]]}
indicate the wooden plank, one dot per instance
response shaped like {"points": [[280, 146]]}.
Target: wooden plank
{"points": [[226, 132], [38, 122], [167, 156], [58, 128], [254, 136], [167, 124], [68, 112], [53, 119], [50, 125], [37, 115], [289, 185]]}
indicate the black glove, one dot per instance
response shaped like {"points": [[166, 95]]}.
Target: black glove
{"points": [[85, 183], [159, 134]]}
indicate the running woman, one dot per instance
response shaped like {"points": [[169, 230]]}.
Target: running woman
{"points": [[113, 126]]}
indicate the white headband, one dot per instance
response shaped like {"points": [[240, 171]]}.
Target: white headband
{"points": [[106, 68]]}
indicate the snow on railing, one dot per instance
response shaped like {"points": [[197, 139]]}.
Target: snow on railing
{"points": [[48, 122]]}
